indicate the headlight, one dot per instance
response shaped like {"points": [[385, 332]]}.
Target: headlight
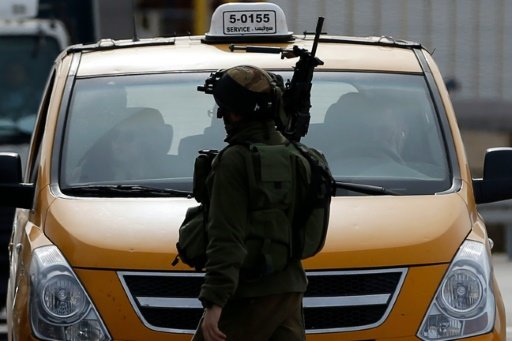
{"points": [[464, 303], [59, 306], [462, 292]]}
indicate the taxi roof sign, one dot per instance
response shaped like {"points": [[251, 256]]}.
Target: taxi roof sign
{"points": [[241, 21]]}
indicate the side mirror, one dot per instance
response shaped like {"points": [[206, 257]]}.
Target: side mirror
{"points": [[496, 183], [14, 193]]}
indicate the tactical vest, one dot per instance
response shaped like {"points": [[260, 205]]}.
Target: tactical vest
{"points": [[290, 188], [274, 173]]}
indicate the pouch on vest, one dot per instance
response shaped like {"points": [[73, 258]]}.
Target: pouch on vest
{"points": [[268, 241], [192, 240], [202, 168], [192, 235]]}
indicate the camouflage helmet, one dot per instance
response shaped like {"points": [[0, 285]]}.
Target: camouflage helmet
{"points": [[248, 91]]}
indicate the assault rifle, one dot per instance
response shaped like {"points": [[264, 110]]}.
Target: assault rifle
{"points": [[297, 93]]}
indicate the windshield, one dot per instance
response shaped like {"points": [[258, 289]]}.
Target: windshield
{"points": [[374, 128], [25, 63]]}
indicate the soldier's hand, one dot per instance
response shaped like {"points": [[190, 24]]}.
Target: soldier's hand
{"points": [[210, 326]]}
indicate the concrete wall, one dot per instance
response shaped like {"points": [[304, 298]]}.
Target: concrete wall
{"points": [[470, 41], [470, 38]]}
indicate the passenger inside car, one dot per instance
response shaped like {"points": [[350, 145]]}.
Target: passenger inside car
{"points": [[387, 131], [189, 146], [134, 149], [374, 135]]}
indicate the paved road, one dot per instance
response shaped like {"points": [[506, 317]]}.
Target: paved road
{"points": [[502, 269]]}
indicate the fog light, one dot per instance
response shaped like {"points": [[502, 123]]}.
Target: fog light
{"points": [[441, 327], [85, 330]]}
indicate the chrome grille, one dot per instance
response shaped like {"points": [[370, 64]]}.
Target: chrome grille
{"points": [[335, 301]]}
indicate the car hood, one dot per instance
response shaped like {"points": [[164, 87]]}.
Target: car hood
{"points": [[366, 231]]}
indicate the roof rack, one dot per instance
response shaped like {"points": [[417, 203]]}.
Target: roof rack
{"points": [[379, 41], [111, 44]]}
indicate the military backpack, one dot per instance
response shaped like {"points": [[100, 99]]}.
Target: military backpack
{"points": [[276, 234]]}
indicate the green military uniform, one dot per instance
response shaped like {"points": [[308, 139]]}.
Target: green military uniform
{"points": [[247, 300]]}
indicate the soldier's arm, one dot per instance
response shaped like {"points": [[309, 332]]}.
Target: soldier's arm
{"points": [[226, 228]]}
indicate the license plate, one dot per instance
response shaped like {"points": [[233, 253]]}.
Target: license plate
{"points": [[249, 22]]}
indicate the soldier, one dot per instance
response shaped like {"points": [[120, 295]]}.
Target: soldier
{"points": [[246, 296]]}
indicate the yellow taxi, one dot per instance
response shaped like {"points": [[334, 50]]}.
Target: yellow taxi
{"points": [[109, 179]]}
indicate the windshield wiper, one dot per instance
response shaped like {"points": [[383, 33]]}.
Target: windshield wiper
{"points": [[126, 190], [365, 188]]}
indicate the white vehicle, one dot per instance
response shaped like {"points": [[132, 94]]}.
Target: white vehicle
{"points": [[28, 48]]}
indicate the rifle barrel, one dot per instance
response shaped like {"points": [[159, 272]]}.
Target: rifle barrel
{"points": [[318, 31]]}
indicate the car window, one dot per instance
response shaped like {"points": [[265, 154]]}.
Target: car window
{"points": [[376, 128], [384, 130]]}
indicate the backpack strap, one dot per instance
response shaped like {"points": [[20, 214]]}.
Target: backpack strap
{"points": [[322, 188]]}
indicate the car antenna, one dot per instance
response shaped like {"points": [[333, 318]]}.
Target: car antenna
{"points": [[135, 35]]}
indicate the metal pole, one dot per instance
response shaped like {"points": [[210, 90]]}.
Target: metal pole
{"points": [[201, 13]]}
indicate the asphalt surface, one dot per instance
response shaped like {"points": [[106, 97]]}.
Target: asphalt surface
{"points": [[502, 270]]}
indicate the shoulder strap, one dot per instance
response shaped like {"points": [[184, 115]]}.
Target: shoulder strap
{"points": [[318, 163], [322, 188]]}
